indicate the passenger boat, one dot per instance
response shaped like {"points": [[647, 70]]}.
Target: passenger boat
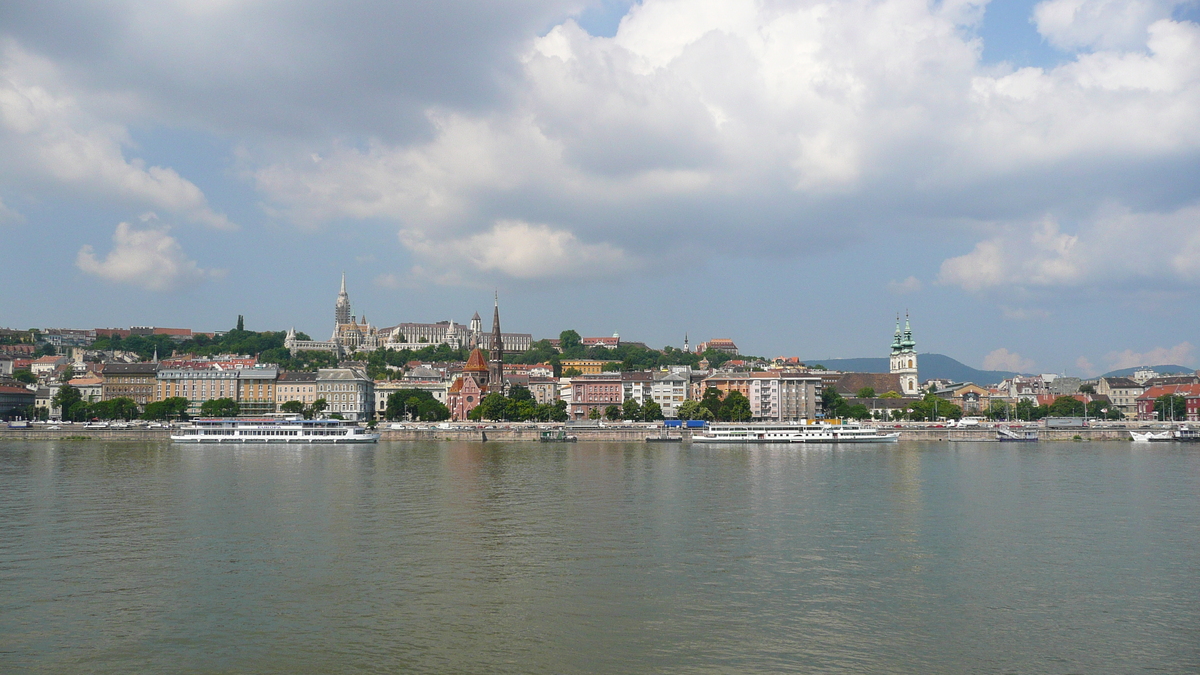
{"points": [[1017, 435], [795, 432], [271, 430]]}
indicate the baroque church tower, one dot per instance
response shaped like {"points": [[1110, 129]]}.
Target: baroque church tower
{"points": [[904, 358], [496, 354]]}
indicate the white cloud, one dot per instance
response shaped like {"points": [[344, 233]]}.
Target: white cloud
{"points": [[148, 258], [1181, 354], [1115, 245], [523, 251], [909, 285], [701, 116], [49, 142], [1104, 24], [1086, 367], [1002, 359]]}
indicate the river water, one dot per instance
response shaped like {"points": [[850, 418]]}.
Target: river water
{"points": [[599, 558]]}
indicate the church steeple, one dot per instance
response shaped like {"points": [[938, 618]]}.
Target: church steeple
{"points": [[496, 355], [341, 311]]}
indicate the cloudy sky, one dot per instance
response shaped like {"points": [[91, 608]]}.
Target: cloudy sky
{"points": [[1022, 177]]}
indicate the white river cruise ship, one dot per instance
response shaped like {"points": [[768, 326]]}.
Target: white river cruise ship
{"points": [[796, 432], [269, 430]]}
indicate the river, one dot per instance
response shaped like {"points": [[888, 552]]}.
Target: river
{"points": [[134, 557]]}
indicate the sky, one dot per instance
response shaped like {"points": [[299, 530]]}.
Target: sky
{"points": [[1021, 178]]}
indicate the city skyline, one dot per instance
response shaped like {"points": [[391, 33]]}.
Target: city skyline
{"points": [[1018, 175]]}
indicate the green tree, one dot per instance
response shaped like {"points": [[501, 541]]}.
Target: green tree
{"points": [[858, 411], [631, 409], [735, 408], [220, 407], [66, 399], [687, 410], [1170, 407], [494, 407], [998, 410], [318, 406], [711, 400], [830, 401], [572, 372], [241, 324], [1066, 406], [120, 408], [570, 343], [866, 392], [612, 413], [294, 407], [1087, 389], [594, 414], [652, 411], [890, 394], [1103, 410], [520, 393], [174, 407], [24, 376]]}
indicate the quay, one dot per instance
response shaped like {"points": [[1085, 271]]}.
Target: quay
{"points": [[531, 433]]}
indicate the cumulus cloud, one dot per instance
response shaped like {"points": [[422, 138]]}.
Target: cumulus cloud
{"points": [[697, 116], [1104, 24], [1002, 359], [149, 258], [794, 123], [524, 251], [1115, 245], [909, 285], [1086, 367], [48, 141], [1181, 354]]}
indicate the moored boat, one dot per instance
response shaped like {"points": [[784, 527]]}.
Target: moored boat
{"points": [[556, 436], [1017, 435], [1150, 436], [794, 432], [271, 430]]}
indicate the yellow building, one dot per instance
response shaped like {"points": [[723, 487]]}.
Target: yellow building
{"points": [[585, 366]]}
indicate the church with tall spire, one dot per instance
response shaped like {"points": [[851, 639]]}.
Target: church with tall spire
{"points": [[496, 352], [904, 358]]}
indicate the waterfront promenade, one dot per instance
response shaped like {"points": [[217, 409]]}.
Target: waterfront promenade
{"points": [[527, 432]]}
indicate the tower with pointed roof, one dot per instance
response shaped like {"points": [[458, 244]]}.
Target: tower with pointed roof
{"points": [[904, 358], [496, 354], [470, 388], [341, 311]]}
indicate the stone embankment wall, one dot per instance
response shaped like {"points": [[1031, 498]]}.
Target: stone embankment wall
{"points": [[513, 434]]}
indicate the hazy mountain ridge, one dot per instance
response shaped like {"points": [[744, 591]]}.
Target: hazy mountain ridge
{"points": [[1162, 370], [929, 367]]}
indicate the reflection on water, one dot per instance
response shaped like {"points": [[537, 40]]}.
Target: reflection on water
{"points": [[605, 557]]}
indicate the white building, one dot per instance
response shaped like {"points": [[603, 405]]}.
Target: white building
{"points": [[347, 391]]}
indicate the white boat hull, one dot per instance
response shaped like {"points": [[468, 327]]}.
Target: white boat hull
{"points": [[359, 438]]}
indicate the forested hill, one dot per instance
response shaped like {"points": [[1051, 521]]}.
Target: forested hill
{"points": [[930, 367]]}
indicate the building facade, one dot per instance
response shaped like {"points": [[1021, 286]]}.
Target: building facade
{"points": [[252, 388], [347, 391], [297, 386], [774, 396], [129, 380], [470, 387]]}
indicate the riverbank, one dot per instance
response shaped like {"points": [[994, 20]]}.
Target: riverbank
{"points": [[530, 433]]}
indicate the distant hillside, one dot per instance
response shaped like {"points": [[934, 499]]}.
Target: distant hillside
{"points": [[930, 367], [1162, 370]]}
